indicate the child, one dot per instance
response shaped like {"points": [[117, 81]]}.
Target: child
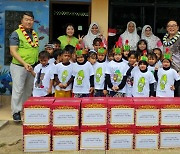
{"points": [[141, 46], [92, 56], [50, 48], [159, 55], [166, 76], [43, 81], [57, 55], [143, 80], [132, 61], [99, 77], [116, 75], [83, 75], [110, 56], [126, 49], [71, 49], [97, 42], [57, 44], [152, 59], [63, 76]]}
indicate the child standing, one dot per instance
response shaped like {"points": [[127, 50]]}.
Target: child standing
{"points": [[152, 59], [126, 49], [143, 80], [99, 71], [92, 57], [63, 76], [97, 42], [50, 49], [116, 75], [83, 75], [166, 76], [57, 55], [159, 55], [43, 81], [132, 59], [141, 46]]}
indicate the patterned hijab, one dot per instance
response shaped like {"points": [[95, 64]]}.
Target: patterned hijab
{"points": [[133, 37], [151, 40], [88, 39]]}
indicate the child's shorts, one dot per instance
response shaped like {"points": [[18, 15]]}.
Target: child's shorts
{"points": [[61, 93]]}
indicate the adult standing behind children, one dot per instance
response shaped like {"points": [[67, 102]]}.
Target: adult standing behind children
{"points": [[69, 38], [24, 50], [152, 40], [171, 40], [93, 32], [131, 35]]}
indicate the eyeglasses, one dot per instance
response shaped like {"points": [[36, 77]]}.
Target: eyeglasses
{"points": [[173, 26]]}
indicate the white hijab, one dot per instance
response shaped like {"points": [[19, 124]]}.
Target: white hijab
{"points": [[151, 40], [88, 39], [133, 37]]}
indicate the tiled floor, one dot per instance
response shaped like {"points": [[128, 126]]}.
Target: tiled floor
{"points": [[5, 107]]}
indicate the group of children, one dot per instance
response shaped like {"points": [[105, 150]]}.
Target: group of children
{"points": [[77, 72]]}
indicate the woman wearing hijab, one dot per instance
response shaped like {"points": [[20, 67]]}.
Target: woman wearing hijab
{"points": [[152, 40], [93, 32], [131, 35]]}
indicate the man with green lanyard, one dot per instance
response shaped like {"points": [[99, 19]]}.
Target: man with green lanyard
{"points": [[24, 50]]}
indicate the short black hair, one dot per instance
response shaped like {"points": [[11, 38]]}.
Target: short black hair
{"points": [[66, 51], [28, 13], [133, 52], [97, 39], [69, 48], [151, 55], [56, 53], [44, 54], [143, 62]]}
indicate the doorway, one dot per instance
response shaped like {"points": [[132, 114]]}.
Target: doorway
{"points": [[62, 13]]}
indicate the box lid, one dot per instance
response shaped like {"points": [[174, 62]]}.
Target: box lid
{"points": [[39, 101], [94, 102]]}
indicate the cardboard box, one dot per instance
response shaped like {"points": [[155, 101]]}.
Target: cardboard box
{"points": [[65, 140], [170, 138], [94, 112], [170, 112], [147, 138], [147, 112], [36, 140], [66, 113], [93, 139], [37, 113], [120, 139], [120, 113]]}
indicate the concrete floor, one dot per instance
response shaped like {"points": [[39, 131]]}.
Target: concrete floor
{"points": [[5, 108]]}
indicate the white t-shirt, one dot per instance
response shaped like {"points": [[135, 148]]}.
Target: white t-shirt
{"points": [[129, 83], [64, 73], [51, 60], [99, 75], [141, 83], [166, 79], [82, 75], [117, 71], [47, 74]]}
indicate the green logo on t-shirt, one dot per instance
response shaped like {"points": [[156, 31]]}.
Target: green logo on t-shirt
{"points": [[64, 75], [117, 76], [98, 74], [163, 81], [80, 77], [141, 84]]}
